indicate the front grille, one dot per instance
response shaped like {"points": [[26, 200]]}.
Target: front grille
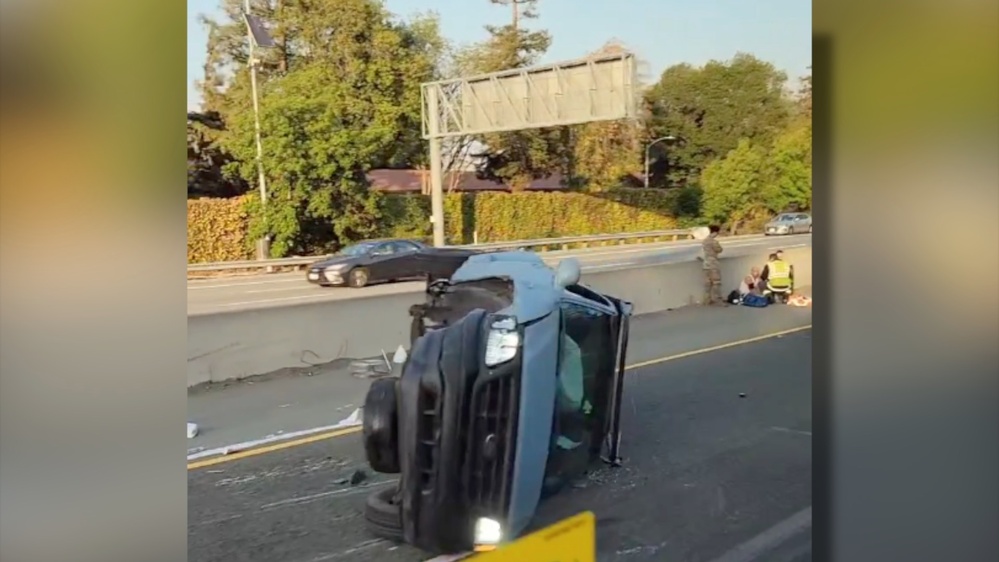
{"points": [[492, 436], [428, 440]]}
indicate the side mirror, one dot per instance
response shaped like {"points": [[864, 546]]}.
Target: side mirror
{"points": [[567, 273]]}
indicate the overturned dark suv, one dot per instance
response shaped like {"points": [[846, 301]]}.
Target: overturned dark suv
{"points": [[511, 388]]}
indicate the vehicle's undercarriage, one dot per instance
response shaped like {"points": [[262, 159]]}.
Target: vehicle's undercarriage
{"points": [[493, 388], [447, 303]]}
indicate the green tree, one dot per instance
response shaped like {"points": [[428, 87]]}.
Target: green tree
{"points": [[804, 100], [788, 175], [517, 158], [734, 187], [338, 96], [710, 109], [206, 160], [606, 154]]}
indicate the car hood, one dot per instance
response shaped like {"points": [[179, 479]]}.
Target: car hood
{"points": [[334, 260], [778, 223]]}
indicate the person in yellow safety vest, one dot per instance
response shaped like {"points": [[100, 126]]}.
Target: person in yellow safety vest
{"points": [[777, 274]]}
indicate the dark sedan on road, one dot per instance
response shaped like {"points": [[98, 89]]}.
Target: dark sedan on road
{"points": [[386, 260]]}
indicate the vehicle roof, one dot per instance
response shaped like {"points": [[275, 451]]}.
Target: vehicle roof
{"points": [[383, 240], [535, 294]]}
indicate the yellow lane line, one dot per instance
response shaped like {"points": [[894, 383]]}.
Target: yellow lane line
{"points": [[271, 448], [351, 430], [717, 347]]}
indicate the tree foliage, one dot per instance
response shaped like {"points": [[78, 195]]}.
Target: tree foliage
{"points": [[206, 160], [752, 182], [336, 99], [517, 158], [606, 154], [733, 186], [805, 97], [711, 109], [339, 95], [788, 176]]}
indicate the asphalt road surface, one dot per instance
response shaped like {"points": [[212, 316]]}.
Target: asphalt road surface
{"points": [[240, 293], [718, 469]]}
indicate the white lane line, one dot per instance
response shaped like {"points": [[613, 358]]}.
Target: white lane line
{"points": [[788, 430], [352, 420], [759, 545], [297, 287], [299, 500], [351, 551], [317, 298], [449, 557], [617, 264], [202, 286]]}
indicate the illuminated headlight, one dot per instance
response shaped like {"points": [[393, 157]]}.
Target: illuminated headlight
{"points": [[488, 532], [502, 342]]}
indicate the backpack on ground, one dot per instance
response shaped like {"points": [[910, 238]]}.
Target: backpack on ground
{"points": [[755, 301]]}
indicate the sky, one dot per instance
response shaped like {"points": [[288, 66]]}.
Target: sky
{"points": [[662, 32]]}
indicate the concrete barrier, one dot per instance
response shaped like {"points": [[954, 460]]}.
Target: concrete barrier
{"points": [[239, 344]]}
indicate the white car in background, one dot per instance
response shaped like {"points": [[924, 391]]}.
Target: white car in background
{"points": [[789, 223]]}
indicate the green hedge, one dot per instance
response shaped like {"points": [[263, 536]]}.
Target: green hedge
{"points": [[496, 217], [216, 228]]}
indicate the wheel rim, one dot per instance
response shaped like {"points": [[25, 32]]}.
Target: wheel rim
{"points": [[360, 277]]}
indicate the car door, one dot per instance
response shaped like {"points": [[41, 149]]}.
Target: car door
{"points": [[806, 222], [585, 371], [405, 260], [792, 224], [381, 257]]}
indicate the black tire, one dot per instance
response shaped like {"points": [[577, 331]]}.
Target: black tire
{"points": [[383, 515], [358, 277], [380, 427]]}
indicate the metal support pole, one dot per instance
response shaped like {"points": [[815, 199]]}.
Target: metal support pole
{"points": [[647, 148], [436, 168], [263, 252]]}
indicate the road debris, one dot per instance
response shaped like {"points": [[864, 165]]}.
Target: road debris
{"points": [[358, 477]]}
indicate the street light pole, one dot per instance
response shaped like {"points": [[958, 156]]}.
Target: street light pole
{"points": [[648, 148], [263, 251]]}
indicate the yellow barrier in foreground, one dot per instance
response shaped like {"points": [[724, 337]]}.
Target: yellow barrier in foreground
{"points": [[570, 540]]}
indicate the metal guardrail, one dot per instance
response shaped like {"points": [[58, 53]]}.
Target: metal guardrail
{"points": [[543, 244]]}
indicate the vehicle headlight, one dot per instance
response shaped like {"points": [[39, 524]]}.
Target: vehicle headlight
{"points": [[502, 342], [335, 268], [488, 532]]}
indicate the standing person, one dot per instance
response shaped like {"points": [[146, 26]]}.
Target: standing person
{"points": [[712, 268]]}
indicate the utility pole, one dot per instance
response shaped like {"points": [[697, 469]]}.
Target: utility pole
{"points": [[436, 166], [263, 252]]}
